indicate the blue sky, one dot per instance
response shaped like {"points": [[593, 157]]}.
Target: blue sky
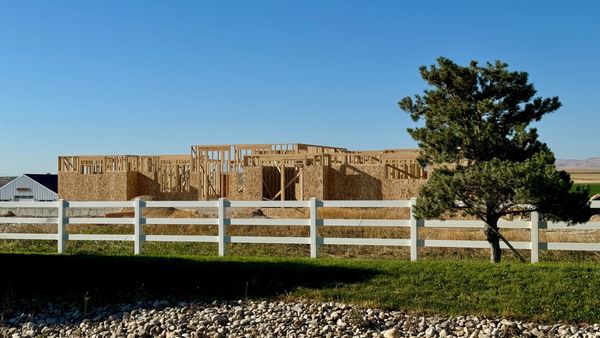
{"points": [[154, 77]]}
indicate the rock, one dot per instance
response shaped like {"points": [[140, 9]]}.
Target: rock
{"points": [[536, 332], [254, 319], [258, 213], [221, 319], [391, 333]]}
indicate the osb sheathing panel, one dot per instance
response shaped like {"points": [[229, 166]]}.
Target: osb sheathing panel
{"points": [[360, 181], [355, 182], [313, 180], [146, 184], [102, 187], [134, 187], [253, 181], [235, 188], [401, 189], [115, 186], [367, 182], [140, 184]]}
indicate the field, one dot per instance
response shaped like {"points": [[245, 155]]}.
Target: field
{"points": [[586, 177], [540, 292], [583, 175], [594, 187]]}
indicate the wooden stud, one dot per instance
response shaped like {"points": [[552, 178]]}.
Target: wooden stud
{"points": [[301, 183], [282, 179]]}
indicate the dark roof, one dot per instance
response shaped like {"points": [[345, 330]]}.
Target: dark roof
{"points": [[49, 181]]}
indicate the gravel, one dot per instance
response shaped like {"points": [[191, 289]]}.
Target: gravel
{"points": [[267, 319]]}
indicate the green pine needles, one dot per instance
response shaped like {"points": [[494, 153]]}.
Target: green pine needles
{"points": [[487, 161]]}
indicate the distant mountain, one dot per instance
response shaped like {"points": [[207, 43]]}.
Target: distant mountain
{"points": [[4, 180], [593, 162]]}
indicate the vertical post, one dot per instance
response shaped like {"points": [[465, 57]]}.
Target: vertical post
{"points": [[138, 231], [535, 236], [205, 177], [62, 226], [314, 244], [301, 183], [414, 233], [282, 179], [221, 227]]}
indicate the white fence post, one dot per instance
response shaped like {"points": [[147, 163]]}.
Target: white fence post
{"points": [[222, 229], [62, 226], [138, 230], [314, 235], [535, 236], [414, 233]]}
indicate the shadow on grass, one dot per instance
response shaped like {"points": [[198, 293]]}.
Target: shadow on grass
{"points": [[38, 279]]}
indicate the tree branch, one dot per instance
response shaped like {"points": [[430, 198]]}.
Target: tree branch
{"points": [[512, 212]]}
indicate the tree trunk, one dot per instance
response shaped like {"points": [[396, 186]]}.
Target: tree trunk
{"points": [[493, 237]]}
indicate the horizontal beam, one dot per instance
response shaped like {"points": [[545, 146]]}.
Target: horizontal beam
{"points": [[365, 204], [99, 237], [268, 204], [570, 246], [28, 220], [100, 204], [269, 240], [29, 205], [364, 222], [99, 220], [566, 226], [366, 241], [181, 238], [514, 224], [435, 243], [268, 221], [181, 204], [434, 223], [194, 221], [474, 224], [11, 235]]}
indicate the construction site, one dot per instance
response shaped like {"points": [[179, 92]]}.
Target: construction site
{"points": [[245, 172]]}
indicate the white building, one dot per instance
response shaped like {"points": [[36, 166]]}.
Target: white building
{"points": [[31, 187]]}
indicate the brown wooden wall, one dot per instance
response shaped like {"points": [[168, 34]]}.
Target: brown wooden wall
{"points": [[367, 182]]}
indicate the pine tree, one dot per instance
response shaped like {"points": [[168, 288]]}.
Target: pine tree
{"points": [[487, 160]]}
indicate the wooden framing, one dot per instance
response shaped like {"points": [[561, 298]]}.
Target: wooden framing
{"points": [[209, 170]]}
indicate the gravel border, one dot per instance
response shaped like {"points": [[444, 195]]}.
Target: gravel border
{"points": [[268, 319]]}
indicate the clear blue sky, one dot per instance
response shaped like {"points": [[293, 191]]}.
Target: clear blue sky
{"points": [[154, 77]]}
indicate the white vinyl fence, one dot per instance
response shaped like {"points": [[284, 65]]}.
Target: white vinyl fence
{"points": [[314, 240]]}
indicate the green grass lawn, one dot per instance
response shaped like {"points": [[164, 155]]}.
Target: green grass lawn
{"points": [[594, 187], [544, 292]]}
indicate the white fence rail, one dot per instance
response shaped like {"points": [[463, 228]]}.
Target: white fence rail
{"points": [[313, 222]]}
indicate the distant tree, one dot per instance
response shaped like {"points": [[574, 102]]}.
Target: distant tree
{"points": [[487, 161]]}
